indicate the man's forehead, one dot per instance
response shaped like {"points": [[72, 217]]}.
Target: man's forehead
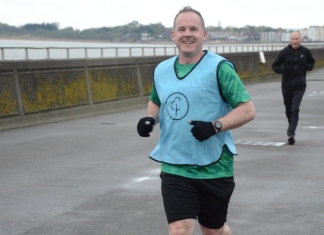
{"points": [[188, 18], [295, 35]]}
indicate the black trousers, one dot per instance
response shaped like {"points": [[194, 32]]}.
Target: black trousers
{"points": [[292, 99]]}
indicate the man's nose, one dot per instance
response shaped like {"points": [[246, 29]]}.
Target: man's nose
{"points": [[187, 32]]}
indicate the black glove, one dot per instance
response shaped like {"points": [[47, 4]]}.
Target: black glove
{"points": [[202, 130], [145, 126]]}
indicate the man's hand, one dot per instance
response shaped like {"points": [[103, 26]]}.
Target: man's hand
{"points": [[202, 130], [145, 126]]}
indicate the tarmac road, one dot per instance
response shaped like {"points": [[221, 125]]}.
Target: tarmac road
{"points": [[92, 176]]}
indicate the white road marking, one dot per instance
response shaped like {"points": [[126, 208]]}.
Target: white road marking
{"points": [[138, 180], [260, 143], [316, 93], [152, 174], [316, 127]]}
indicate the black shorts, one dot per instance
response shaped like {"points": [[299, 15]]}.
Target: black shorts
{"points": [[204, 199]]}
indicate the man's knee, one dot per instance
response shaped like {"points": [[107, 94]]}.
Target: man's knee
{"points": [[182, 227], [225, 230], [295, 110]]}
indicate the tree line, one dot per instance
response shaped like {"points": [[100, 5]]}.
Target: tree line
{"points": [[132, 32]]}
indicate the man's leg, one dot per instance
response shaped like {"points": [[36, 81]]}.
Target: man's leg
{"points": [[296, 101], [182, 227], [288, 102], [214, 205], [287, 95], [181, 203], [225, 230]]}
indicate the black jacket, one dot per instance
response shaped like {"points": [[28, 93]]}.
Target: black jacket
{"points": [[293, 64]]}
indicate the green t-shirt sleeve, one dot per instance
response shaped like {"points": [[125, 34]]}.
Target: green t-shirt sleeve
{"points": [[231, 86], [154, 96]]}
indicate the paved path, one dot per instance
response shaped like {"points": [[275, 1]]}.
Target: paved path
{"points": [[92, 176]]}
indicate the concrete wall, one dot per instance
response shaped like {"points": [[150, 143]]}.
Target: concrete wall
{"points": [[35, 92]]}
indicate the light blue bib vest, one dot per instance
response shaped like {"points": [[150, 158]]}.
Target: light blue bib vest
{"points": [[195, 97]]}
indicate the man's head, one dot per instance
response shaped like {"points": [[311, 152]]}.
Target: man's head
{"points": [[189, 33], [295, 39], [189, 9]]}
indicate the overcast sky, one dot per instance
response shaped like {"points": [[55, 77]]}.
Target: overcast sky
{"points": [[108, 13]]}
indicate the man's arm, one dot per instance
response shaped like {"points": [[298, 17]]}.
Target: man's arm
{"points": [[278, 65], [153, 111], [310, 62], [236, 95], [239, 116]]}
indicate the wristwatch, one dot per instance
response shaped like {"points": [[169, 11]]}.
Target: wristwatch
{"points": [[218, 126]]}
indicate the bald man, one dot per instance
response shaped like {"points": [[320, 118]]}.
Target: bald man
{"points": [[292, 62]]}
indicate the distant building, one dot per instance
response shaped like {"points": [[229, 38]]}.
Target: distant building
{"points": [[311, 34], [285, 37], [270, 36], [303, 33], [315, 33], [146, 37], [224, 35], [218, 35]]}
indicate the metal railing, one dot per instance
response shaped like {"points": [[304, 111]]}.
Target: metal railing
{"points": [[39, 53]]}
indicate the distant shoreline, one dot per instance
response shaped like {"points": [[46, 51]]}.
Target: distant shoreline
{"points": [[209, 42], [80, 40]]}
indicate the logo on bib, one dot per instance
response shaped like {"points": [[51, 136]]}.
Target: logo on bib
{"points": [[177, 106]]}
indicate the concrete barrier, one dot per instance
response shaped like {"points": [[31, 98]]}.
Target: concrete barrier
{"points": [[43, 91]]}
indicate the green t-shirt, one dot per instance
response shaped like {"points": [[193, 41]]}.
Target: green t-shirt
{"points": [[233, 92]]}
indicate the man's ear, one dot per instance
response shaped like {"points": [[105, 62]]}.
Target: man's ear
{"points": [[205, 35], [172, 36]]}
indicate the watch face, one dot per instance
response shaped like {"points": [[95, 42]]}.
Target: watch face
{"points": [[218, 125]]}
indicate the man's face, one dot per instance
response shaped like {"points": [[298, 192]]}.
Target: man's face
{"points": [[295, 40], [188, 34]]}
